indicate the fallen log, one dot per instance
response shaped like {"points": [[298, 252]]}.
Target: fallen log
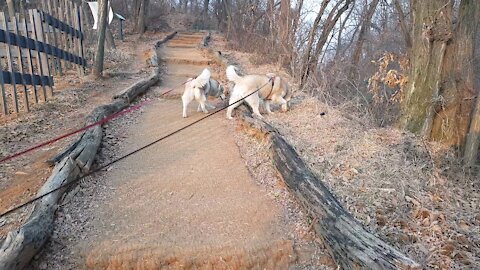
{"points": [[165, 39], [351, 246], [130, 93], [21, 245], [206, 39]]}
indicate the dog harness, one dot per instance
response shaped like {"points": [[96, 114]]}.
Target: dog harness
{"points": [[271, 89]]}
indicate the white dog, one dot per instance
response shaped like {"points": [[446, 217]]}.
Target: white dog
{"points": [[195, 89], [199, 89], [271, 88]]}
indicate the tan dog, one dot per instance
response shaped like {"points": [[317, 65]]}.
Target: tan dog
{"points": [[272, 89]]}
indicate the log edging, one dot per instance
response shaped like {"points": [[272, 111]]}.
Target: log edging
{"points": [[348, 242], [21, 245]]}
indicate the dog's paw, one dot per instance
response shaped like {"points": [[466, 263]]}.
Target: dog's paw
{"points": [[184, 115]]}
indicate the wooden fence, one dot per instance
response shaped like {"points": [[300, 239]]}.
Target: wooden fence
{"points": [[35, 46]]}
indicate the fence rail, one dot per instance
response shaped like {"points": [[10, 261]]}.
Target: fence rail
{"points": [[36, 46]]}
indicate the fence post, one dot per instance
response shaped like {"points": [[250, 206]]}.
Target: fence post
{"points": [[40, 65], [9, 59], [41, 38], [3, 97], [62, 16], [20, 60], [78, 47], [29, 57], [46, 35], [57, 39]]}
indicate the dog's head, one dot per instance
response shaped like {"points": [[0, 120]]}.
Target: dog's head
{"points": [[221, 92]]}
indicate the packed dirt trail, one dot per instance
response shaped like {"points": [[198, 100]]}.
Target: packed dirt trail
{"points": [[188, 201]]}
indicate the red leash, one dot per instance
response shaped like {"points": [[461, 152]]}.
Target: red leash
{"points": [[101, 122]]}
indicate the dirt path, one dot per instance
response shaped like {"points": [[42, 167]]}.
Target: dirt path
{"points": [[186, 202]]}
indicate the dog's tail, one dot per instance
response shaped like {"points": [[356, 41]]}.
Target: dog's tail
{"points": [[203, 78], [232, 74]]}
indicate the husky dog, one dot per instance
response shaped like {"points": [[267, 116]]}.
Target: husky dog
{"points": [[215, 89], [199, 89], [195, 89], [271, 88]]}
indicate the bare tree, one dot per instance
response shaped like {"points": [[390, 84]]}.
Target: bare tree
{"points": [[102, 25], [139, 14], [362, 35], [403, 24], [311, 63]]}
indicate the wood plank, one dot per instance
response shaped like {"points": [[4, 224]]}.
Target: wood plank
{"points": [[62, 17], [48, 30], [10, 62], [72, 23], [41, 37], [3, 97], [58, 61], [20, 62], [38, 58], [29, 58], [78, 47], [82, 22]]}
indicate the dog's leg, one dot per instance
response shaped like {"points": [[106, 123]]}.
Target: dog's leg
{"points": [[267, 107], [186, 99], [200, 98], [202, 102], [283, 103], [254, 102], [232, 104]]}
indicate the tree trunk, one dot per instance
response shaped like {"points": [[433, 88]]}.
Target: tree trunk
{"points": [[283, 30], [110, 41], [141, 17], [472, 10], [102, 25], [228, 15], [403, 25], [341, 48], [439, 99], [362, 35], [205, 8]]}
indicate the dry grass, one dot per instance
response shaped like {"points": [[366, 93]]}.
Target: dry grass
{"points": [[398, 186], [413, 194]]}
